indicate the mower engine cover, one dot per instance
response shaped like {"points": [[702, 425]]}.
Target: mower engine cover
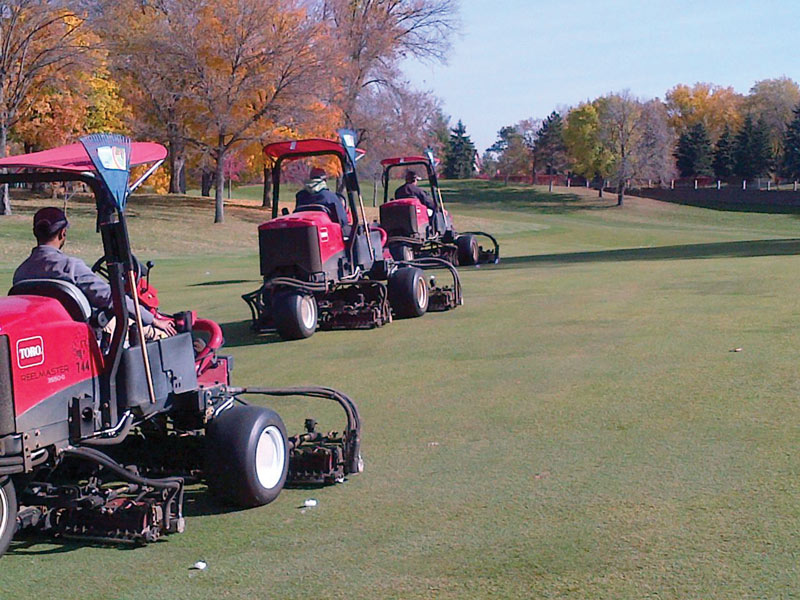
{"points": [[308, 242], [405, 216]]}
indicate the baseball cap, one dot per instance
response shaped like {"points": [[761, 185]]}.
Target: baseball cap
{"points": [[49, 220], [317, 173], [411, 175]]}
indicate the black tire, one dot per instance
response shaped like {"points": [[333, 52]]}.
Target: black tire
{"points": [[247, 455], [295, 314], [8, 514], [408, 293], [468, 251], [401, 252]]}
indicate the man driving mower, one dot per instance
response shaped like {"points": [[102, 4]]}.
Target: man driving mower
{"points": [[47, 261], [316, 192]]}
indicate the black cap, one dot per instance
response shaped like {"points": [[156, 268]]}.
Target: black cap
{"points": [[49, 221]]}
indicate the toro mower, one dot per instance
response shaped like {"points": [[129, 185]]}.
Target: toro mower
{"points": [[320, 271], [100, 432], [416, 231]]}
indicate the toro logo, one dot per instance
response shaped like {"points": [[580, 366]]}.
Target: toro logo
{"points": [[323, 234], [30, 352]]}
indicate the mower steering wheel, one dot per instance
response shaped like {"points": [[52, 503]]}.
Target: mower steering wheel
{"points": [[101, 268]]}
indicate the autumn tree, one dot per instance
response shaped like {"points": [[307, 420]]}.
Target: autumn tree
{"points": [[619, 132], [372, 36], [39, 43], [653, 158], [773, 100], [510, 155], [712, 105], [588, 155], [246, 65]]}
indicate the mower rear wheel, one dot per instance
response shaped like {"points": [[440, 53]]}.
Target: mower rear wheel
{"points": [[408, 292], [468, 251], [247, 455], [295, 315], [8, 514]]}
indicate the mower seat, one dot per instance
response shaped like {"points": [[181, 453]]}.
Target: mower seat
{"points": [[68, 294]]}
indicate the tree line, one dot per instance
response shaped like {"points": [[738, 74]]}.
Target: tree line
{"points": [[699, 130], [214, 80]]}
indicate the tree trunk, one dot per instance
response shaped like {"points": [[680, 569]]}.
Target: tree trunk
{"points": [[177, 168], [219, 185], [206, 181], [5, 200], [620, 192], [266, 199]]}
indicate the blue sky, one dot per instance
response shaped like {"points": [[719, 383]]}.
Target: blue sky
{"points": [[515, 59]]}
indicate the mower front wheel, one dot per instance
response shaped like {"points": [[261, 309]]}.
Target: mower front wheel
{"points": [[295, 315], [247, 455], [408, 292], [8, 514], [468, 250]]}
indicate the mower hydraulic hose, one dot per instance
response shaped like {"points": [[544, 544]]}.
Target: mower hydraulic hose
{"points": [[115, 435], [142, 343], [353, 434]]}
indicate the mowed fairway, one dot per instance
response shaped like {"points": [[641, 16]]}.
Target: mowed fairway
{"points": [[580, 428]]}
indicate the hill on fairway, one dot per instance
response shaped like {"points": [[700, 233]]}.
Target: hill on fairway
{"points": [[580, 428]]}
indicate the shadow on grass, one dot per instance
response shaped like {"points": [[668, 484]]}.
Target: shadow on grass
{"points": [[521, 197], [240, 333], [743, 249], [25, 544], [222, 282]]}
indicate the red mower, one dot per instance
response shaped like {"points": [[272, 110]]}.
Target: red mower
{"points": [[319, 272], [99, 434], [415, 231]]}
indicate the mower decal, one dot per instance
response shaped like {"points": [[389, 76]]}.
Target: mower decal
{"points": [[30, 352], [323, 234], [113, 157]]}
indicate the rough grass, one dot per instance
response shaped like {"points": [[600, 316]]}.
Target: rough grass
{"points": [[579, 429]]}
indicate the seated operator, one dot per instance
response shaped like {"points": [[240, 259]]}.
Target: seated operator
{"points": [[316, 192], [47, 261], [411, 190]]}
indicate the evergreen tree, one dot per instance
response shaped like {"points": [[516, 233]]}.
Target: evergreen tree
{"points": [[724, 162], [459, 160], [791, 147], [550, 151], [694, 154], [752, 154]]}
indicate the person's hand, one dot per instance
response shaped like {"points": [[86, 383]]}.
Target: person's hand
{"points": [[165, 325]]}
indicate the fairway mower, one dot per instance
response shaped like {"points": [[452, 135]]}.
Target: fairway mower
{"points": [[415, 231], [100, 432], [320, 273]]}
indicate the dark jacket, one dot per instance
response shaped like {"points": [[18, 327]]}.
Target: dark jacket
{"points": [[412, 190], [326, 198]]}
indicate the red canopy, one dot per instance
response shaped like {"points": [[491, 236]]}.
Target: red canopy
{"points": [[401, 160], [73, 157], [300, 148]]}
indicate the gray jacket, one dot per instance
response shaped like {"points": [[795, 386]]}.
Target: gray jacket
{"points": [[48, 262]]}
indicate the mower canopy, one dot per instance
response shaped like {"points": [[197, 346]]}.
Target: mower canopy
{"points": [[75, 158], [297, 149]]}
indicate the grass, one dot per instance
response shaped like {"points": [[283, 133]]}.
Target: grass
{"points": [[578, 429]]}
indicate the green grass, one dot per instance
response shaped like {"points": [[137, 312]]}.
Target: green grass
{"points": [[578, 429]]}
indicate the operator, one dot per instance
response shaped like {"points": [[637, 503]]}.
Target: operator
{"points": [[47, 261], [316, 192], [411, 190]]}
